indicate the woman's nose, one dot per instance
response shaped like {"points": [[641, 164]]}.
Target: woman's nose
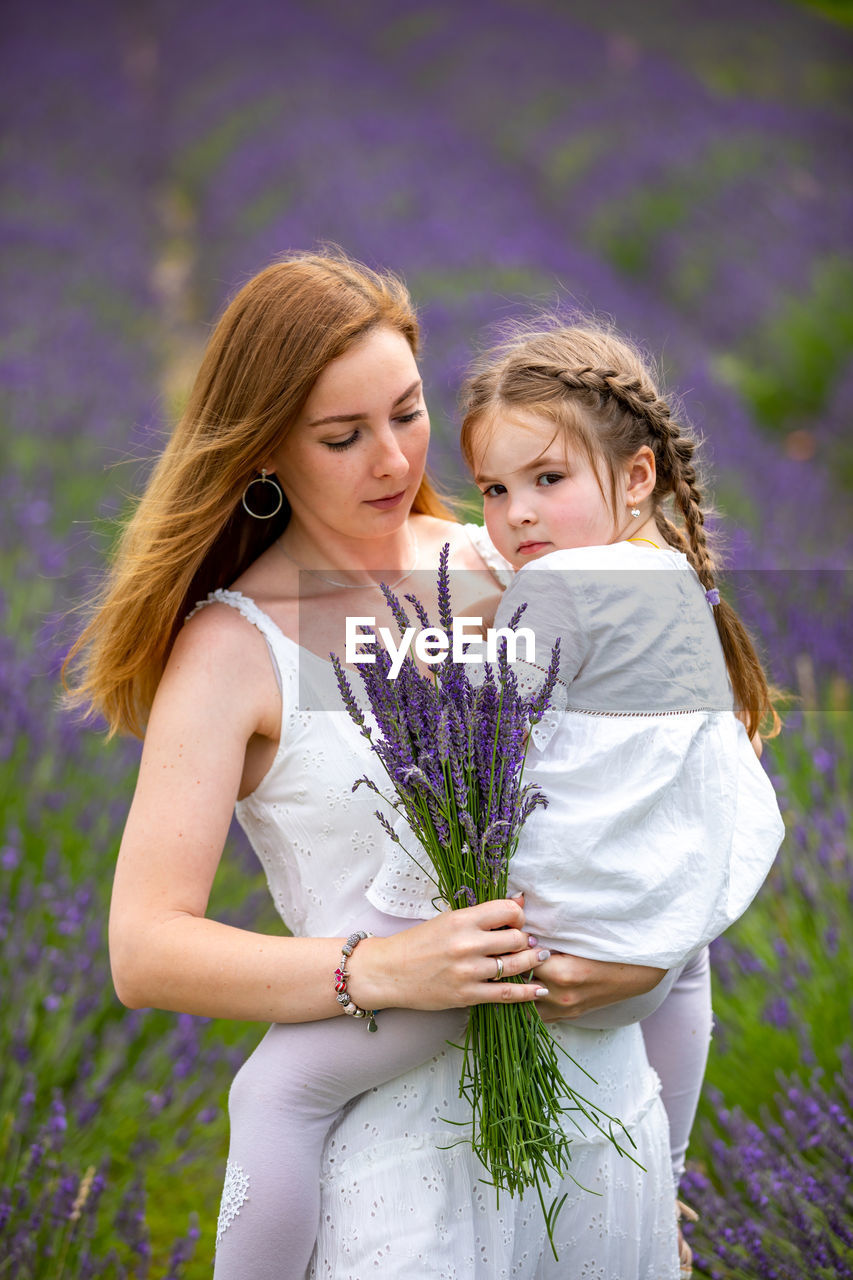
{"points": [[389, 460]]}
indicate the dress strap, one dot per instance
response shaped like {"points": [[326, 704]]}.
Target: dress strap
{"points": [[250, 611], [502, 570], [243, 604]]}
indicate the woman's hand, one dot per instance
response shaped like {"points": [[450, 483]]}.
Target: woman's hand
{"points": [[449, 962], [578, 986]]}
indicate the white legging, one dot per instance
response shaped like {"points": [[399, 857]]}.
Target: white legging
{"points": [[286, 1097], [677, 1037]]}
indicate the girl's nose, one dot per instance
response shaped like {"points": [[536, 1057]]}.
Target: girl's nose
{"points": [[520, 512]]}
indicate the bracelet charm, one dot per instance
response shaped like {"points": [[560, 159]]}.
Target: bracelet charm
{"points": [[341, 975]]}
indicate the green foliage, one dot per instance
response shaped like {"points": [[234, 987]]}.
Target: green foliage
{"points": [[628, 230], [787, 371], [784, 972], [200, 161], [837, 10]]}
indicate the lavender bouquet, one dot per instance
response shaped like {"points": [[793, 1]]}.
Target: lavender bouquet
{"points": [[454, 751]]}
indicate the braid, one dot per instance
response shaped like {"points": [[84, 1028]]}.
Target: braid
{"points": [[678, 473], [636, 394], [673, 452], [671, 533]]}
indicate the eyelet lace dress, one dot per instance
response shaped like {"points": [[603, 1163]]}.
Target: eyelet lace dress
{"points": [[402, 1195]]}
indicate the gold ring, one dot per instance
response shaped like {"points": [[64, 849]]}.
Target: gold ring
{"points": [[500, 973]]}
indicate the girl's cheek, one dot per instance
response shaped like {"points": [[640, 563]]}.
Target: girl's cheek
{"points": [[496, 528]]}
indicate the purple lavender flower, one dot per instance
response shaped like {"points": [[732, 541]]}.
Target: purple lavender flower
{"points": [[349, 699], [777, 1202], [399, 613], [420, 611]]}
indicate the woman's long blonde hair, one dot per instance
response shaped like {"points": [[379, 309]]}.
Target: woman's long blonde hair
{"points": [[600, 392], [189, 533]]}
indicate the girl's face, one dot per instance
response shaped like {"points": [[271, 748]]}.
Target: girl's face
{"points": [[355, 458], [540, 493]]}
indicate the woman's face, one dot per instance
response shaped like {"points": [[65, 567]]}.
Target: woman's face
{"points": [[354, 459]]}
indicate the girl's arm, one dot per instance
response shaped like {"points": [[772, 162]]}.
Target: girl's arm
{"points": [[218, 695], [578, 986]]}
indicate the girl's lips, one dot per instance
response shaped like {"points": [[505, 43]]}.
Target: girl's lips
{"points": [[385, 504], [530, 548]]}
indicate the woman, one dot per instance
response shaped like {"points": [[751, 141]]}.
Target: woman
{"points": [[310, 379]]}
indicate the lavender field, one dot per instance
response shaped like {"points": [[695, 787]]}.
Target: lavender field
{"points": [[676, 165]]}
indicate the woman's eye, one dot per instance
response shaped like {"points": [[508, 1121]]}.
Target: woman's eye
{"points": [[341, 444], [494, 491], [411, 417], [549, 478]]}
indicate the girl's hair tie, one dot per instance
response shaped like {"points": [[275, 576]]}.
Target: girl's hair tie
{"points": [[712, 596]]}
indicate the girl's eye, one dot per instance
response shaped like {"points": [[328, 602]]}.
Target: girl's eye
{"points": [[494, 491], [549, 478], [337, 445]]}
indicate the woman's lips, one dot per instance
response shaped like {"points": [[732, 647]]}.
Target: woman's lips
{"points": [[385, 504]]}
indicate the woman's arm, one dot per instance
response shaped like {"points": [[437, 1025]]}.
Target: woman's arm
{"points": [[217, 695]]}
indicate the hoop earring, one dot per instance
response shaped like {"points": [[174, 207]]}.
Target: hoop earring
{"points": [[263, 478]]}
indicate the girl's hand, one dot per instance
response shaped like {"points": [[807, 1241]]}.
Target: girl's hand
{"points": [[578, 986], [449, 962]]}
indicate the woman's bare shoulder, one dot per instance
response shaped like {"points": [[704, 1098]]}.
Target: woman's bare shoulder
{"points": [[215, 625], [433, 533], [220, 657]]}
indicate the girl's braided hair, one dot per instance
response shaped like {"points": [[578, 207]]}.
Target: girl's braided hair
{"points": [[599, 390]]}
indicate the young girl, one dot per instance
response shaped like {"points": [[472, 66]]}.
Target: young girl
{"points": [[575, 452], [661, 824]]}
